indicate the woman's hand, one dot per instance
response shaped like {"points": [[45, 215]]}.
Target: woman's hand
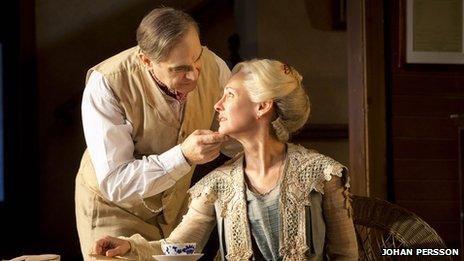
{"points": [[111, 246]]}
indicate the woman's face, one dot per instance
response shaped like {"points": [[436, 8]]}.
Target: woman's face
{"points": [[236, 112]]}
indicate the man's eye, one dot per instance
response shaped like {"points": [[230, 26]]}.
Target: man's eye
{"points": [[181, 69], [178, 70], [229, 94]]}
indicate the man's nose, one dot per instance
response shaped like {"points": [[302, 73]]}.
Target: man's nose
{"points": [[193, 74]]}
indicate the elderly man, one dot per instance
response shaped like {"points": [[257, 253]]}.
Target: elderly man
{"points": [[146, 114]]}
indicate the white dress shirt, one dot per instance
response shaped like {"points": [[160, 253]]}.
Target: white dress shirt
{"points": [[120, 176]]}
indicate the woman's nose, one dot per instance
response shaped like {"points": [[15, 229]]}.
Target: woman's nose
{"points": [[218, 105]]}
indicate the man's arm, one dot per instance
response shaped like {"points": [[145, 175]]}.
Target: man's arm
{"points": [[108, 135]]}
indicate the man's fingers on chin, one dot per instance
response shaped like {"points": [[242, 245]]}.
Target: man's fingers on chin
{"points": [[212, 156], [207, 140], [203, 132], [220, 137], [213, 138], [209, 152], [211, 147]]}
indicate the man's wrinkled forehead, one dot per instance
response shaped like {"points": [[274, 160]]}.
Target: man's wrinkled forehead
{"points": [[186, 62]]}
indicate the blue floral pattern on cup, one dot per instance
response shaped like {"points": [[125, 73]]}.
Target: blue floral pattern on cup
{"points": [[178, 249]]}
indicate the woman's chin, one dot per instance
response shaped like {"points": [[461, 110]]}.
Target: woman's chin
{"points": [[224, 131]]}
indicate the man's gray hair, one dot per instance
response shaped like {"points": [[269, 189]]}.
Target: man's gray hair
{"points": [[161, 30]]}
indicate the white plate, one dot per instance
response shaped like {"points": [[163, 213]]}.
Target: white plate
{"points": [[192, 257]]}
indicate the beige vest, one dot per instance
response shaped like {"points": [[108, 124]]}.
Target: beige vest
{"points": [[155, 128]]}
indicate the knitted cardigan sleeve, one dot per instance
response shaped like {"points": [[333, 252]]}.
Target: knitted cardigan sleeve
{"points": [[341, 237]]}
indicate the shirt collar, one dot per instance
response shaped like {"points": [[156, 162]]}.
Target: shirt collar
{"points": [[181, 97]]}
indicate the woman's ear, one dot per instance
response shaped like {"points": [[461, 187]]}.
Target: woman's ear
{"points": [[145, 60], [264, 107]]}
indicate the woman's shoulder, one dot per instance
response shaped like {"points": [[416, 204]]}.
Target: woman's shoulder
{"points": [[310, 157], [312, 167], [217, 181]]}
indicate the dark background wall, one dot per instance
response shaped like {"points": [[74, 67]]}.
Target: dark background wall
{"points": [[19, 211]]}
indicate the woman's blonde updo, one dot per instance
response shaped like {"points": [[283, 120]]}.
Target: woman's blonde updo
{"points": [[273, 80]]}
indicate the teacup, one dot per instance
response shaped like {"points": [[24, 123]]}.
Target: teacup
{"points": [[172, 249]]}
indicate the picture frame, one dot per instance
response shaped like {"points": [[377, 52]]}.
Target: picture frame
{"points": [[434, 32]]}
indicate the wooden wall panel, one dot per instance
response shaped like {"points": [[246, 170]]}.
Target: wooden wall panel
{"points": [[448, 231], [444, 210], [429, 83], [436, 190], [423, 139], [425, 169], [422, 127], [429, 106], [410, 148]]}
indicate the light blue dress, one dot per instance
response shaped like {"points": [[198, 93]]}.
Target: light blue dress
{"points": [[264, 220]]}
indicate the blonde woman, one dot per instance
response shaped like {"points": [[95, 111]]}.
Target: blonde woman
{"points": [[274, 201]]}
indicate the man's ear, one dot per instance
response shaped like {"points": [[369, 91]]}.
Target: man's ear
{"points": [[264, 107], [145, 60]]}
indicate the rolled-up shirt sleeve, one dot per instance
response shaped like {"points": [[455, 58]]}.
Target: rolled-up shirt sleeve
{"points": [[108, 135]]}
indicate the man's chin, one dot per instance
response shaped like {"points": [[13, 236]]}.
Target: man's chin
{"points": [[187, 88]]}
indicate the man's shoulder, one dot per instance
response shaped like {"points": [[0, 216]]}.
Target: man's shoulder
{"points": [[124, 61], [212, 59]]}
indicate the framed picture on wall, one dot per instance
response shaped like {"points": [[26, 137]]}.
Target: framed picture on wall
{"points": [[434, 31]]}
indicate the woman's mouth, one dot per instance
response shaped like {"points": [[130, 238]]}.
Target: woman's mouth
{"points": [[221, 118]]}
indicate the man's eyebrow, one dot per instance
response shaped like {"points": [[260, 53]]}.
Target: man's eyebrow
{"points": [[185, 66], [181, 67]]}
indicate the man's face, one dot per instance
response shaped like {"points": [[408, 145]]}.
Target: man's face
{"points": [[179, 71]]}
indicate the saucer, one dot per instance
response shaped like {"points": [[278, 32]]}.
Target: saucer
{"points": [[192, 257]]}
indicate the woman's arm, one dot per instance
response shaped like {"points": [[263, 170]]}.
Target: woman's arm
{"points": [[341, 237], [196, 226]]}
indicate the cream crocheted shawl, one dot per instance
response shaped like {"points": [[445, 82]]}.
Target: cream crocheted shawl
{"points": [[305, 171]]}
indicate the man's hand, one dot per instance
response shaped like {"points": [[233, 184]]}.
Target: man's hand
{"points": [[202, 146], [110, 246]]}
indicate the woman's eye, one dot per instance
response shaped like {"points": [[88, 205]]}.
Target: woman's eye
{"points": [[230, 94]]}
